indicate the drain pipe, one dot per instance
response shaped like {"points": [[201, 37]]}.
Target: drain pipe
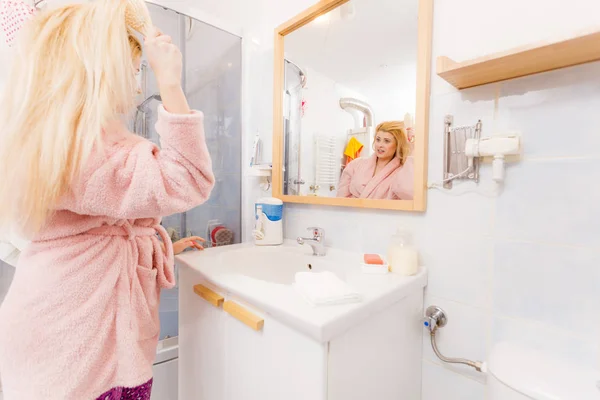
{"points": [[436, 318]]}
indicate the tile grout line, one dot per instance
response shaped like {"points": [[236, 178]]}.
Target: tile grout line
{"points": [[594, 249], [527, 321], [489, 323]]}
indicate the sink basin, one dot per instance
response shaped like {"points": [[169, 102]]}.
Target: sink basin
{"points": [[274, 264]]}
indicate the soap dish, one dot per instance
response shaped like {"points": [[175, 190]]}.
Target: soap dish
{"points": [[375, 268]]}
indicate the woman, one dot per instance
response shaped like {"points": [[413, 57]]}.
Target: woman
{"points": [[387, 174], [80, 320], [11, 247]]}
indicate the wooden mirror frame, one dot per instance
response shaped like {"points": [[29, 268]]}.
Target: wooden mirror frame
{"points": [[421, 127]]}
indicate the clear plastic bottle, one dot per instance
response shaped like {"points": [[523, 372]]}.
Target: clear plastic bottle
{"points": [[402, 255]]}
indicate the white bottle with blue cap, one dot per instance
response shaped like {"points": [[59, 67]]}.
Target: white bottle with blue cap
{"points": [[268, 224]]}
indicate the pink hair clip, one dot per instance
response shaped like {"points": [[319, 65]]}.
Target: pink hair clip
{"points": [[410, 135], [13, 15]]}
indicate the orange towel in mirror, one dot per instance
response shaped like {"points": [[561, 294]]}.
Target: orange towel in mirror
{"points": [[353, 149]]}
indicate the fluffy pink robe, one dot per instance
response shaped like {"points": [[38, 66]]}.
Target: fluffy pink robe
{"points": [[393, 182], [81, 316]]}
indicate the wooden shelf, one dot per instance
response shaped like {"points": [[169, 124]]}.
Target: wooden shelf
{"points": [[520, 62]]}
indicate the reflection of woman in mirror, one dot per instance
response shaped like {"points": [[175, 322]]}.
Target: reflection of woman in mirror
{"points": [[387, 174]]}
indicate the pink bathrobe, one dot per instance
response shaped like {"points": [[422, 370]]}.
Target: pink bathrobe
{"points": [[81, 316], [393, 182]]}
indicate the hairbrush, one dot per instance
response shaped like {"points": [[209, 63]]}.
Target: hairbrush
{"points": [[137, 16]]}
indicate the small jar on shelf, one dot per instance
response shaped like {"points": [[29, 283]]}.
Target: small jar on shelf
{"points": [[403, 257]]}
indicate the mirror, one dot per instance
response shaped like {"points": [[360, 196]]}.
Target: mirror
{"points": [[351, 104]]}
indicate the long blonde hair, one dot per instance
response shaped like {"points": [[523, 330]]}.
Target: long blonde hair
{"points": [[71, 76], [396, 129]]}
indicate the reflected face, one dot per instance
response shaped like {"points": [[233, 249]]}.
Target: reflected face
{"points": [[385, 145]]}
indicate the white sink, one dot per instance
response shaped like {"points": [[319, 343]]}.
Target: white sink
{"points": [[274, 264], [263, 277]]}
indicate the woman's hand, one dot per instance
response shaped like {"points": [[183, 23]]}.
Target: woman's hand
{"points": [[192, 241], [165, 59]]}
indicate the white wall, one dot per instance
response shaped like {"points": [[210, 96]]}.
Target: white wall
{"points": [[390, 102]]}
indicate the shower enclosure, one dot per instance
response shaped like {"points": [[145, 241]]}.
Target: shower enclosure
{"points": [[212, 82], [295, 81]]}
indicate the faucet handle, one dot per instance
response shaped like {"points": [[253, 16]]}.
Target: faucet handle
{"points": [[435, 318], [317, 232]]}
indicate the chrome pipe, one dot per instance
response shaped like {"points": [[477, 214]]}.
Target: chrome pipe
{"points": [[478, 365], [436, 318]]}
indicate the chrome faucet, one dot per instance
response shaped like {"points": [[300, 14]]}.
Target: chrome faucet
{"points": [[317, 242]]}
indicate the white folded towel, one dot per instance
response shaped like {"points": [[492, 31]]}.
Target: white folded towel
{"points": [[324, 288]]}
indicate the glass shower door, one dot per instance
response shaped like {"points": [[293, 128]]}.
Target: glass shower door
{"points": [[212, 82], [213, 76]]}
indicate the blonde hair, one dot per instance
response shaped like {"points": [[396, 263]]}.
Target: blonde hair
{"points": [[396, 129], [72, 75]]}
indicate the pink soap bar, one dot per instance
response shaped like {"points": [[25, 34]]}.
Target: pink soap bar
{"points": [[373, 259]]}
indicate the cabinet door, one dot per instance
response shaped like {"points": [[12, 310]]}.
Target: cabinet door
{"points": [[201, 341], [271, 363]]}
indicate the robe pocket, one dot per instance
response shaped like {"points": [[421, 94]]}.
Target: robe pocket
{"points": [[145, 301]]}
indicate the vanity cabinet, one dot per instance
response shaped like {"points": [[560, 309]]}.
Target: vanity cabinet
{"points": [[202, 329], [231, 350], [226, 355]]}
